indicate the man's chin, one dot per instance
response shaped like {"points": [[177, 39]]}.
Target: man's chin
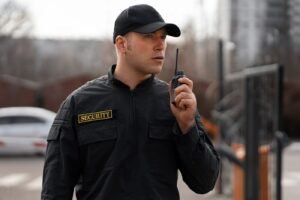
{"points": [[156, 71]]}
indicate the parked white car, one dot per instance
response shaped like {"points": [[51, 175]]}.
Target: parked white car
{"points": [[24, 130]]}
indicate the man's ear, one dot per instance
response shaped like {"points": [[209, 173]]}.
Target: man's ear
{"points": [[121, 43]]}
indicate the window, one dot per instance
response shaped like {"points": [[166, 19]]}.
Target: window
{"points": [[20, 120], [5, 120]]}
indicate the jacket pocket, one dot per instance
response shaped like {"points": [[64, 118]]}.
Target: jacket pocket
{"points": [[97, 144], [94, 134], [161, 151], [160, 132]]}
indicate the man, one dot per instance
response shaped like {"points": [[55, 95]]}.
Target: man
{"points": [[119, 137]]}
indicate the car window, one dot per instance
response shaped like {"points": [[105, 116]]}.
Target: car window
{"points": [[5, 120], [20, 120]]}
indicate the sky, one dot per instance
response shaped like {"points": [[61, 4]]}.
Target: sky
{"points": [[95, 18]]}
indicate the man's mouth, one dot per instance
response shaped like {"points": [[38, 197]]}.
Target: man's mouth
{"points": [[158, 58]]}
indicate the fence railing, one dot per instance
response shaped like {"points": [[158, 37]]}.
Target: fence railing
{"points": [[250, 111]]}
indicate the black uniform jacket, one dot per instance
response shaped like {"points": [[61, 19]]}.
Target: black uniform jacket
{"points": [[111, 143]]}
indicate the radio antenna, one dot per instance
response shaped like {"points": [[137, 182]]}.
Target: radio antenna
{"points": [[176, 64]]}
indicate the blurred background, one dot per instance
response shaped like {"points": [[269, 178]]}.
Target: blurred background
{"points": [[49, 48]]}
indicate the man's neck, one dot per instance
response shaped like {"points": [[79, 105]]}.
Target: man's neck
{"points": [[129, 77]]}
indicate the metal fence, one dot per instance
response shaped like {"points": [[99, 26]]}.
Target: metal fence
{"points": [[249, 112]]}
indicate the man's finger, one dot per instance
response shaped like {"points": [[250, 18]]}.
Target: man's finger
{"points": [[187, 81]]}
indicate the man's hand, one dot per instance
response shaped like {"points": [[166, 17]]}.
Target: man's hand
{"points": [[185, 106]]}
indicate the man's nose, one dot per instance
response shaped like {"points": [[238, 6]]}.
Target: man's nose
{"points": [[160, 44]]}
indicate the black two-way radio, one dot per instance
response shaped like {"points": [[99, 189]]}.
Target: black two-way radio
{"points": [[178, 74]]}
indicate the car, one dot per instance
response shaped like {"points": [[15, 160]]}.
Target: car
{"points": [[24, 130]]}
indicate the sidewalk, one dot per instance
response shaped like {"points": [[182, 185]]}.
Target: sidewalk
{"points": [[209, 196], [290, 179]]}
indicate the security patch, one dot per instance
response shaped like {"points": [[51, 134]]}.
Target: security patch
{"points": [[95, 116]]}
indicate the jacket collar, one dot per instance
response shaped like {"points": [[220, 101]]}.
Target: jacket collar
{"points": [[144, 84]]}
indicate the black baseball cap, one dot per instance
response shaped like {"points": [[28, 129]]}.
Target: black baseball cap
{"points": [[142, 18]]}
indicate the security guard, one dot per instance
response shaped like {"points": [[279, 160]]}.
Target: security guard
{"points": [[119, 137]]}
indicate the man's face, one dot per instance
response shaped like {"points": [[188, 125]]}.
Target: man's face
{"points": [[145, 53]]}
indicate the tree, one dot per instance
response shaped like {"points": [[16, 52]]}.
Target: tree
{"points": [[14, 20], [15, 47]]}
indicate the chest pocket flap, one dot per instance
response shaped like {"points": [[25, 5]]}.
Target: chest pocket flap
{"points": [[93, 134]]}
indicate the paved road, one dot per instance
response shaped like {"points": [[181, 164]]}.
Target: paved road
{"points": [[291, 173], [20, 178]]}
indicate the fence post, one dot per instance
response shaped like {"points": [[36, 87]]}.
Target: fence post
{"points": [[278, 134], [220, 97], [251, 142]]}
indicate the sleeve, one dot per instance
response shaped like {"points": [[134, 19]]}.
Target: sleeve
{"points": [[61, 167], [198, 159]]}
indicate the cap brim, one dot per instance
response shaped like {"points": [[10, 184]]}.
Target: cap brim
{"points": [[171, 29]]}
